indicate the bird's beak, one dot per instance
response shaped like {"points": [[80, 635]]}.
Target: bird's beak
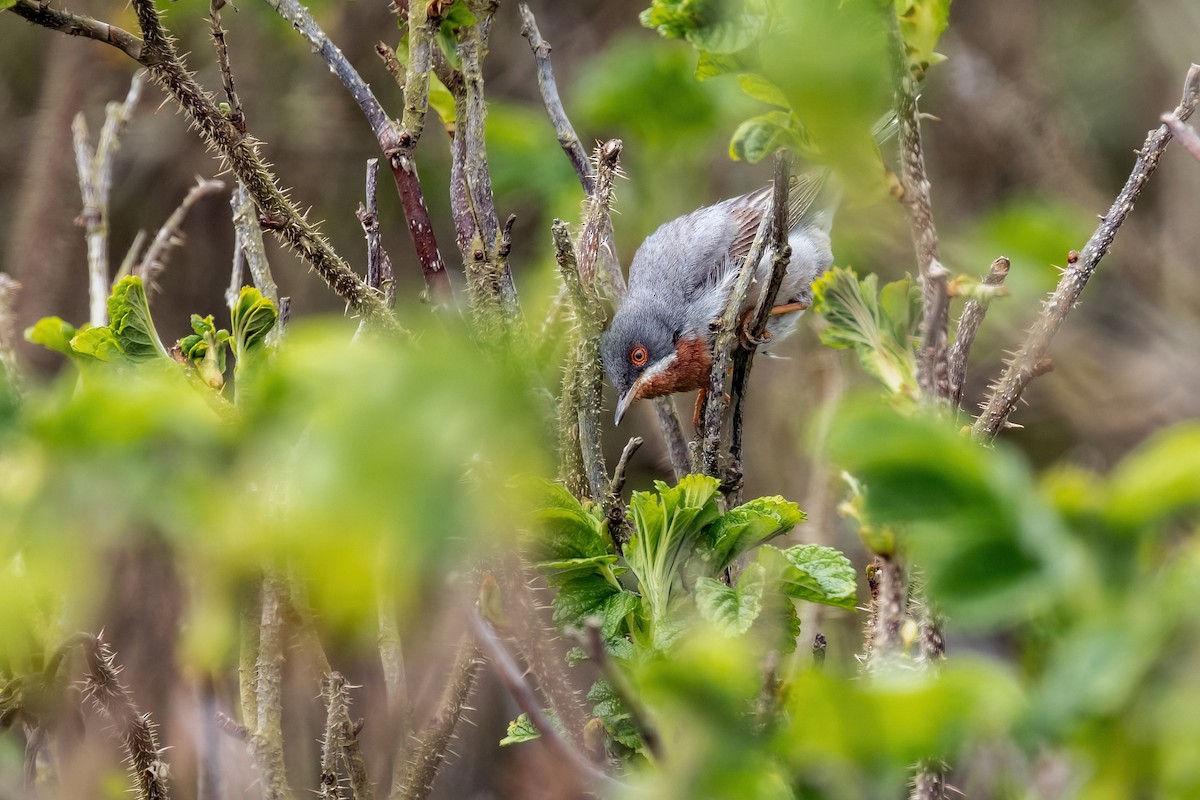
{"points": [[627, 399]]}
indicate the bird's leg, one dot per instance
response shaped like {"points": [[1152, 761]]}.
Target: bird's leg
{"points": [[749, 340]]}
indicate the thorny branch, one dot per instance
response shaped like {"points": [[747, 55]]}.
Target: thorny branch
{"points": [[931, 369], [717, 404], [218, 36], [340, 745], [1030, 358], [169, 235], [968, 325], [157, 53], [430, 749], [514, 681], [95, 184]]}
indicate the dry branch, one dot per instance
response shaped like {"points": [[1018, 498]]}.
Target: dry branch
{"points": [[931, 364], [429, 752], [968, 326], [10, 372], [379, 265], [253, 248], [157, 53], [1031, 357], [340, 745], [236, 116], [266, 740], [1186, 134], [395, 680]]}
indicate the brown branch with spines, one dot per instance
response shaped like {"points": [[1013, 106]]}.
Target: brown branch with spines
{"points": [[968, 326], [1030, 360], [277, 213], [340, 744], [931, 361]]}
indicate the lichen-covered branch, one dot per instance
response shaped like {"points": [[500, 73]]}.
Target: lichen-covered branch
{"points": [[253, 249], [169, 235], [931, 362], [968, 326], [147, 768], [379, 265], [95, 184], [429, 753], [1029, 360]]}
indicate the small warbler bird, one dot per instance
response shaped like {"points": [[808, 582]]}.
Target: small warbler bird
{"points": [[661, 338]]}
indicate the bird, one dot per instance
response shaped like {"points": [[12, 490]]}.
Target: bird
{"points": [[661, 338]]}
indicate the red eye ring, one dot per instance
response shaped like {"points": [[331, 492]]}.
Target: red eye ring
{"points": [[638, 355]]}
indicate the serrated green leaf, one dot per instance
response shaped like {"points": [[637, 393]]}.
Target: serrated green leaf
{"points": [[746, 527], [53, 333], [728, 35], [592, 596], [251, 319], [812, 572], [607, 707], [760, 88], [712, 65], [520, 730], [98, 343], [759, 137], [565, 535], [857, 319], [131, 323], [733, 609]]}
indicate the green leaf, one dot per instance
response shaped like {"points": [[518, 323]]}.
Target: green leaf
{"points": [[458, 15], [728, 35], [520, 730], [922, 22], [759, 137], [252, 318], [442, 102], [53, 334], [712, 65], [1159, 479], [591, 596], [98, 343], [814, 573], [878, 326], [130, 321], [746, 527], [732, 609], [607, 707], [7, 4], [205, 350], [762, 89]]}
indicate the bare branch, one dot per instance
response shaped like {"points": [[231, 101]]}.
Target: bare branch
{"points": [[146, 766], [379, 265], [169, 234], [430, 750], [395, 680], [511, 676], [95, 184], [618, 478], [1021, 370], [80, 25], [934, 277], [266, 741], [218, 36], [673, 436], [10, 371], [968, 326], [250, 235], [344, 747], [1186, 134]]}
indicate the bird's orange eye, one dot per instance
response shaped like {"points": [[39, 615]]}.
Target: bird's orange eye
{"points": [[638, 355]]}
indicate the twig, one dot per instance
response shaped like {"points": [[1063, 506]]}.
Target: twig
{"points": [[157, 53], [1006, 392], [95, 184], [744, 357], [169, 235], [885, 616], [514, 681], [10, 370], [673, 436], [208, 777], [218, 36], [379, 265], [929, 782], [819, 647], [618, 477], [395, 681], [237, 270], [250, 234], [146, 766], [594, 643], [716, 409], [934, 277], [266, 742], [968, 326], [344, 732], [1186, 134], [430, 750], [232, 727], [571, 146], [396, 145]]}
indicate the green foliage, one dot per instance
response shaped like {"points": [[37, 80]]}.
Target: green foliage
{"points": [[205, 349], [879, 325], [520, 730], [130, 321], [922, 23]]}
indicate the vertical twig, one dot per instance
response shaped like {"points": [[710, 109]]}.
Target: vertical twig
{"points": [[885, 615], [266, 739], [10, 371], [95, 184], [379, 265], [340, 744], [395, 681], [429, 752], [1030, 359], [931, 367], [236, 117], [968, 326], [581, 477], [246, 224]]}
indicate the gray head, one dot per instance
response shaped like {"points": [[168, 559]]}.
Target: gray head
{"points": [[638, 350]]}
